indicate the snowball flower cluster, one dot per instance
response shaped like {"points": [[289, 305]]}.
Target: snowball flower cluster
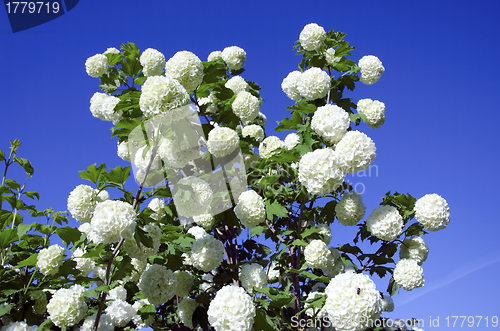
{"points": [[96, 65], [120, 312], [246, 106], [142, 159], [210, 101], [252, 275], [82, 202], [250, 209], [373, 110], [18, 326], [312, 36], [194, 201], [185, 310], [177, 153], [385, 223], [186, 68], [320, 171], [197, 232], [102, 106], [222, 141], [207, 253], [184, 283], [237, 84], [317, 254], [234, 57], [273, 273], [112, 50], [105, 323], [290, 85], [50, 259], [118, 293], [67, 307], [205, 220], [112, 220], [432, 212], [160, 96], [414, 248], [330, 57], [152, 62], [158, 206], [291, 140], [314, 84], [85, 265], [253, 131], [214, 56], [232, 309], [158, 284], [123, 151], [268, 147], [143, 252], [350, 209], [325, 232], [330, 122], [408, 274], [352, 301], [371, 69], [356, 151]]}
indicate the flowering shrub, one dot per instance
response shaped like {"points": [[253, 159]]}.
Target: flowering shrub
{"points": [[229, 228]]}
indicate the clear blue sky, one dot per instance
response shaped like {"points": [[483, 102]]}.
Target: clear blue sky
{"points": [[442, 115]]}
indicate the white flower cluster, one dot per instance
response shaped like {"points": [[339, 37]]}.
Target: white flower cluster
{"points": [[198, 198], [253, 131], [250, 209], [205, 220], [102, 106], [246, 106], [184, 283], [268, 147], [352, 301], [112, 50], [158, 284], [50, 259], [356, 151], [143, 252], [185, 310], [152, 62], [414, 248], [232, 309], [373, 110], [158, 206], [142, 158], [120, 312], [197, 232], [317, 254], [160, 96], [408, 274], [371, 69], [210, 101], [314, 84], [207, 253], [325, 232], [290, 85], [385, 223], [330, 122], [67, 307], [222, 141], [18, 326], [112, 220], [105, 323], [273, 273], [237, 84], [252, 275], [123, 151], [330, 57], [432, 212], [334, 264], [177, 153], [291, 140], [234, 57], [350, 209], [186, 68], [82, 202], [118, 293], [214, 56], [261, 119], [320, 171], [312, 36], [85, 265], [96, 65]]}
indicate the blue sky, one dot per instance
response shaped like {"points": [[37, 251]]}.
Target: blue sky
{"points": [[439, 90]]}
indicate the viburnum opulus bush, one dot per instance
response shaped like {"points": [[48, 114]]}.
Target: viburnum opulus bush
{"points": [[171, 254]]}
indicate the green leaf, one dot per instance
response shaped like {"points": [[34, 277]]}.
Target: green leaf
{"points": [[12, 184], [93, 173], [7, 236], [25, 164], [328, 211], [263, 321], [5, 309], [141, 237], [223, 93], [68, 234], [125, 127], [347, 248], [22, 229], [303, 107], [117, 175], [309, 231], [29, 262], [299, 242], [416, 229], [275, 208], [256, 231], [200, 318], [32, 195], [213, 71], [290, 124], [2, 156], [309, 275], [131, 51], [122, 268]]}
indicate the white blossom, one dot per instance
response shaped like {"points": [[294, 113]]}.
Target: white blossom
{"points": [[385, 223], [18, 326], [161, 96], [312, 36], [152, 62], [356, 151], [50, 259], [317, 254], [408, 274], [85, 265], [320, 171], [96, 65], [291, 140], [312, 311], [82, 202], [67, 307], [185, 310], [186, 68], [246, 106], [143, 252], [207, 253], [325, 232], [117, 293], [120, 312], [330, 57], [105, 323], [373, 110], [250, 209], [432, 212], [123, 151], [330, 122], [184, 283], [158, 206], [414, 248], [234, 57], [194, 201], [214, 56], [290, 85], [268, 147], [205, 220], [314, 84], [112, 220], [222, 141], [197, 232], [237, 84], [371, 69], [158, 284], [252, 275], [112, 50], [253, 131], [102, 106], [350, 209], [232, 309]]}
